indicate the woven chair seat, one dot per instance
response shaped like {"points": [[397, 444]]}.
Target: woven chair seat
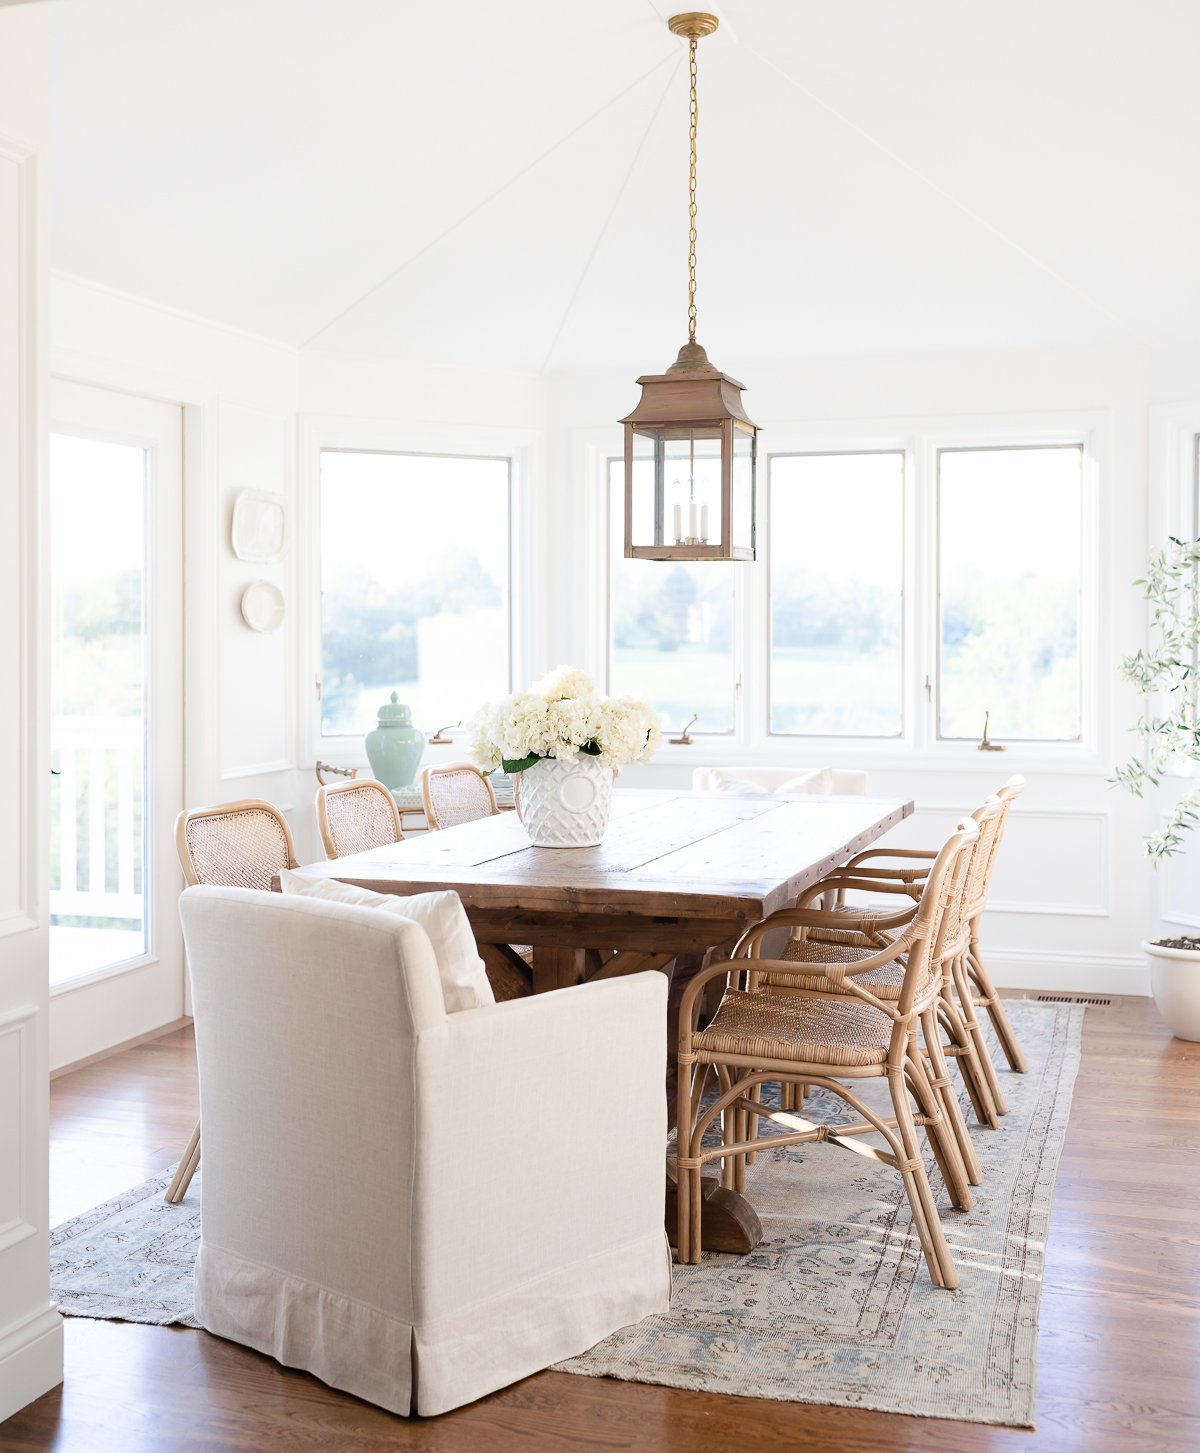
{"points": [[766, 1026], [884, 983]]}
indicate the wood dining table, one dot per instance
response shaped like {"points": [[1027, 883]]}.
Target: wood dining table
{"points": [[676, 880]]}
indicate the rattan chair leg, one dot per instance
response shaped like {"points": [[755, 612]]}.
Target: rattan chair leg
{"points": [[729, 1131], [961, 1048], [741, 1125], [939, 1079], [938, 1259], [687, 1180], [752, 1123], [185, 1170], [982, 1055], [939, 1134], [982, 980]]}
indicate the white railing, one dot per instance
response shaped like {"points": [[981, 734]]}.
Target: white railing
{"points": [[96, 870]]}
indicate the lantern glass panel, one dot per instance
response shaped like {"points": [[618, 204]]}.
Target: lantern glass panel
{"points": [[742, 528], [644, 505], [691, 471]]}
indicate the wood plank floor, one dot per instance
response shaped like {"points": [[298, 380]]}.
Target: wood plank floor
{"points": [[1119, 1361]]}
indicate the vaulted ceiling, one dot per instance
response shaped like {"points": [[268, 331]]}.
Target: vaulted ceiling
{"points": [[504, 185]]}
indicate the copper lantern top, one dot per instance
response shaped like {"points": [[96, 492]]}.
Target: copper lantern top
{"points": [[691, 391]]}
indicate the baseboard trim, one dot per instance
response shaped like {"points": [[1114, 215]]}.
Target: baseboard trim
{"points": [[103, 1054], [31, 1360], [1076, 973]]}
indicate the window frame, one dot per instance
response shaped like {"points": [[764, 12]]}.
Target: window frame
{"points": [[919, 439], [936, 674], [370, 436], [905, 712]]}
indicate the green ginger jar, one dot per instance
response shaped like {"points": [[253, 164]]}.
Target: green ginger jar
{"points": [[395, 747]]}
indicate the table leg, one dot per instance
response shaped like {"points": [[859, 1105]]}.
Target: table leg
{"points": [[728, 1222]]}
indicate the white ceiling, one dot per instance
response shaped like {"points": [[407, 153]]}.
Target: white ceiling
{"points": [[472, 182]]}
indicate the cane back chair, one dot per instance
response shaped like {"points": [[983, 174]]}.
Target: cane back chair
{"points": [[456, 793], [237, 845], [354, 817], [826, 1037]]}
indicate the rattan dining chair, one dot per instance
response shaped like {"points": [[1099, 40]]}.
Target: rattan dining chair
{"points": [[354, 817], [985, 995], [237, 845], [843, 1031], [456, 793], [972, 983]]}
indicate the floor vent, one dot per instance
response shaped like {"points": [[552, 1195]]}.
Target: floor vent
{"points": [[1088, 999]]}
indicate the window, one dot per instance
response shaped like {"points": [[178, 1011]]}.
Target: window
{"points": [[1010, 534], [837, 576], [904, 587], [415, 585], [671, 630]]}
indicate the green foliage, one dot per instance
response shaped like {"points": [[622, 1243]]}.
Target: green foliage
{"points": [[1167, 674], [518, 764]]}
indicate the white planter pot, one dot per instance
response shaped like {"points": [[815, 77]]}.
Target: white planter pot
{"points": [[565, 801], [1175, 984]]}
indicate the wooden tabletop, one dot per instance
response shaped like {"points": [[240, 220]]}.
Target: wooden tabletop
{"points": [[680, 854]]}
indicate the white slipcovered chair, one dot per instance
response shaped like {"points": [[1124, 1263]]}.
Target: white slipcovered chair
{"points": [[416, 1206], [785, 780]]}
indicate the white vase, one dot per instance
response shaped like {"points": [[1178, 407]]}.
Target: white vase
{"points": [[564, 801], [1175, 984]]}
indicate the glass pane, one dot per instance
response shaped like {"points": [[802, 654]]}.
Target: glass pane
{"points": [[649, 525], [837, 579], [672, 631], [1009, 585], [414, 586], [97, 712], [743, 487]]}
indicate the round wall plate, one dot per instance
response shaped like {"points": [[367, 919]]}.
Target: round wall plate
{"points": [[262, 606]]}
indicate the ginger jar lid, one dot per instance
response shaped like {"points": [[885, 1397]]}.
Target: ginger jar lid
{"points": [[394, 713]]}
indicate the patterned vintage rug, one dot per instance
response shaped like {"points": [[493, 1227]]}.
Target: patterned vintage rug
{"points": [[834, 1307]]}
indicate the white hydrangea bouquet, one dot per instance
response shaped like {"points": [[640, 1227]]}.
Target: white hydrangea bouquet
{"points": [[558, 716], [567, 741]]}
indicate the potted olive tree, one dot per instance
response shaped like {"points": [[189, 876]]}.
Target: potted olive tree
{"points": [[1168, 677]]}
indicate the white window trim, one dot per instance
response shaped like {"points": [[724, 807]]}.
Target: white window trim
{"points": [[386, 436], [918, 748]]}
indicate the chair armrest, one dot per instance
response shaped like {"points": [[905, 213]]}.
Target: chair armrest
{"points": [[542, 1138], [909, 854], [841, 885]]}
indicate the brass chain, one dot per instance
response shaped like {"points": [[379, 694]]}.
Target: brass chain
{"points": [[694, 116]]}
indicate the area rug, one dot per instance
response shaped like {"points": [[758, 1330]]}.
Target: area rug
{"points": [[834, 1307]]}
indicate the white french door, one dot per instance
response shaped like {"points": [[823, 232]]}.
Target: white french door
{"points": [[116, 716]]}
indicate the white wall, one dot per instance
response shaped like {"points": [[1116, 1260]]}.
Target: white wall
{"points": [[1072, 896], [239, 398], [31, 1355]]}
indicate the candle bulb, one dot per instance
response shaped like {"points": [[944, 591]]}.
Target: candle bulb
{"points": [[692, 521], [678, 524], [704, 523]]}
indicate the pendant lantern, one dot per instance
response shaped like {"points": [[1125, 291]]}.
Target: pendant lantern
{"points": [[690, 449]]}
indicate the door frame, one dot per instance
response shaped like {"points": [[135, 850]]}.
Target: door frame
{"points": [[132, 998]]}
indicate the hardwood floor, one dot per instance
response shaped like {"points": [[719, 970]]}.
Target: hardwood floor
{"points": [[1120, 1328]]}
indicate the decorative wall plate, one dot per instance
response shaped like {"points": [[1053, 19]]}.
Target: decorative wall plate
{"points": [[262, 606], [258, 525]]}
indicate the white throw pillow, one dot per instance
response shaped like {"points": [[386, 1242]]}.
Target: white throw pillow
{"points": [[726, 782], [465, 983], [817, 779]]}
